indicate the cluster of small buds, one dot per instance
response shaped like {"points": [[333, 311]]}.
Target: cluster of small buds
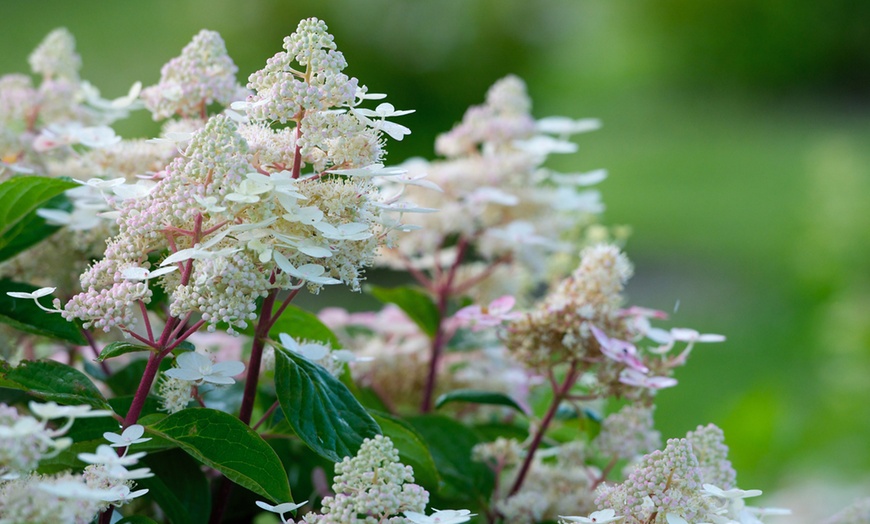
{"points": [[629, 433], [663, 482], [495, 192], [372, 487], [203, 74], [498, 454], [281, 93], [557, 487], [708, 445]]}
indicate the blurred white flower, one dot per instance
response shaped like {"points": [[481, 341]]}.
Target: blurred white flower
{"points": [[128, 437]]}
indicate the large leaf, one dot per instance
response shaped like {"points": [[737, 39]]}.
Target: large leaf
{"points": [[178, 486], [136, 519], [412, 450], [53, 381], [478, 397], [450, 443], [116, 349], [320, 409], [25, 315], [19, 197], [225, 443], [303, 325], [415, 302], [32, 229]]}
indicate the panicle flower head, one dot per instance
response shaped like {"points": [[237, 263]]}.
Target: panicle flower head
{"points": [[203, 74], [56, 56], [495, 192], [237, 222], [559, 329], [373, 486]]}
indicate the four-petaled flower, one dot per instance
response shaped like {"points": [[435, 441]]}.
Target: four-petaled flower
{"points": [[128, 437], [596, 517], [618, 350], [198, 368], [281, 509], [441, 516], [482, 317], [35, 296]]}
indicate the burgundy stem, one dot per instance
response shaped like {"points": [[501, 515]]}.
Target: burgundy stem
{"points": [[558, 396], [443, 290], [148, 376], [260, 335]]}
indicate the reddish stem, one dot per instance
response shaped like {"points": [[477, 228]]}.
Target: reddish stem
{"points": [[148, 376], [443, 291], [558, 396]]}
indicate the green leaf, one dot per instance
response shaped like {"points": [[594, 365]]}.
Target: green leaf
{"points": [[116, 349], [24, 314], [450, 443], [412, 450], [20, 196], [53, 381], [320, 409], [225, 443], [178, 486], [415, 302], [302, 325], [33, 229], [478, 397], [136, 519]]}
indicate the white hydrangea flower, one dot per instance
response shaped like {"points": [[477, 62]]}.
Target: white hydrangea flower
{"points": [[198, 368]]}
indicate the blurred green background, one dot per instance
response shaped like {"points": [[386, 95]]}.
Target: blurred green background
{"points": [[736, 137]]}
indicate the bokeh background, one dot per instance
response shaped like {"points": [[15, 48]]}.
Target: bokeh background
{"points": [[736, 136]]}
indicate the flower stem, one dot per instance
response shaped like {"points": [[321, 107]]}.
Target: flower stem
{"points": [[260, 335], [443, 291], [148, 376], [559, 395]]}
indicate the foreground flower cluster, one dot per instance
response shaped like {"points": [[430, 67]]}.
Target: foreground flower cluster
{"points": [[512, 384]]}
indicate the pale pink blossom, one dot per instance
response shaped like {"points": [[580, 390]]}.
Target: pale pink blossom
{"points": [[482, 317]]}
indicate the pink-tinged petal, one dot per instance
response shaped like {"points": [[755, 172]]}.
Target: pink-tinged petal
{"points": [[633, 377], [637, 311]]}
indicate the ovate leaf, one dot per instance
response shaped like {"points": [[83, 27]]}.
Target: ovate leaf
{"points": [[24, 314], [178, 486], [478, 397], [412, 449], [320, 409], [19, 197], [53, 381], [415, 302], [116, 349], [225, 443]]}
